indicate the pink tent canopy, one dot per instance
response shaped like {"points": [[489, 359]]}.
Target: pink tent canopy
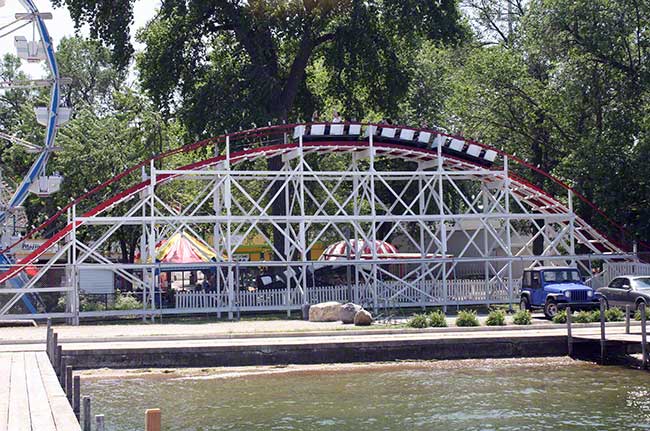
{"points": [[346, 250], [182, 248]]}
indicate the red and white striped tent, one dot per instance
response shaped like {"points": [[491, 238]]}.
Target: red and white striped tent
{"points": [[345, 250]]}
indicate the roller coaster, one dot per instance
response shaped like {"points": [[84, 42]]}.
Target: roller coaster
{"points": [[450, 202], [415, 217]]}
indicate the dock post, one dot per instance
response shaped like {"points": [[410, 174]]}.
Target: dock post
{"points": [[644, 336], [99, 422], [76, 397], [62, 365], [54, 360], [569, 335], [48, 339], [152, 420], [86, 414], [627, 319], [602, 331], [68, 382], [57, 363]]}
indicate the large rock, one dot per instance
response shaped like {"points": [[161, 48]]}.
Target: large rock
{"points": [[325, 312], [363, 318], [348, 311]]}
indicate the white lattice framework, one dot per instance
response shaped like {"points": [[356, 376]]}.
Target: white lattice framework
{"points": [[333, 187]]}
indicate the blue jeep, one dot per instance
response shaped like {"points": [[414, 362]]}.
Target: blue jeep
{"points": [[552, 288]]}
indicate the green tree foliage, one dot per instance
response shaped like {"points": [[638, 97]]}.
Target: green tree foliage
{"points": [[226, 64], [564, 86], [16, 119]]}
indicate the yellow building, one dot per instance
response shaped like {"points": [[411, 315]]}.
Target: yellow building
{"points": [[257, 250]]}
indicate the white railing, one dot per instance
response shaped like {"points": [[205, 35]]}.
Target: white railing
{"points": [[426, 293], [611, 270]]}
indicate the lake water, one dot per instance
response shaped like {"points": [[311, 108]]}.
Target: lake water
{"points": [[463, 395]]}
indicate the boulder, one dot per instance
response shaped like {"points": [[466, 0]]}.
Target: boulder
{"points": [[363, 318], [348, 311], [325, 312]]}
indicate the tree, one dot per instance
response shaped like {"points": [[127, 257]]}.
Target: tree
{"points": [[566, 87]]}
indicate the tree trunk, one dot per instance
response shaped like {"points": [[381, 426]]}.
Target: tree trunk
{"points": [[284, 105]]}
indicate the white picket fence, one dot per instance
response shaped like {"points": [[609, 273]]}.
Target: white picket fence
{"points": [[458, 292], [611, 270]]}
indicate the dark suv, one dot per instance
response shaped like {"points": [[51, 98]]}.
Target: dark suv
{"points": [[552, 288]]}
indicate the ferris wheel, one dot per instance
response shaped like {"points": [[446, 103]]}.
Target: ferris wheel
{"points": [[35, 48]]}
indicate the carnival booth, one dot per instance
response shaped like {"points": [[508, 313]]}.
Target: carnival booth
{"points": [[333, 270], [184, 248]]}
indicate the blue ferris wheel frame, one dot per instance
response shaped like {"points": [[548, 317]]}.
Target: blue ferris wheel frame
{"points": [[39, 165]]}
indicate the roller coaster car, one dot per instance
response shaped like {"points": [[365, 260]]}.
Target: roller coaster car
{"points": [[398, 135], [422, 139], [328, 132]]}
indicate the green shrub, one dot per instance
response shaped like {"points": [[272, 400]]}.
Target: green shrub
{"points": [[418, 321], [637, 315], [86, 305], [522, 317], [496, 318], [467, 318], [60, 305], [614, 315], [583, 317], [560, 317], [595, 316], [126, 302], [437, 319]]}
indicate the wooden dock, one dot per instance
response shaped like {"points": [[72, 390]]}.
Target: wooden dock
{"points": [[31, 397], [616, 344]]}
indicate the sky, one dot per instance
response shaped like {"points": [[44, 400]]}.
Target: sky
{"points": [[59, 26]]}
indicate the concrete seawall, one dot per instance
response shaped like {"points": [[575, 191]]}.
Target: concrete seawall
{"points": [[313, 350]]}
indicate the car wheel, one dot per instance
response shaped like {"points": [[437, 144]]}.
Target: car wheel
{"points": [[524, 304], [638, 304], [550, 308]]}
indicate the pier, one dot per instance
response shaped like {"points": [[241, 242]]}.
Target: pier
{"points": [[31, 397]]}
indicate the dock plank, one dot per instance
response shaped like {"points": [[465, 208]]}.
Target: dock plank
{"points": [[5, 385], [624, 338], [64, 417], [40, 411], [19, 419]]}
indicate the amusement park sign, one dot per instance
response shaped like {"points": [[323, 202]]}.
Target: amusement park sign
{"points": [[29, 245]]}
